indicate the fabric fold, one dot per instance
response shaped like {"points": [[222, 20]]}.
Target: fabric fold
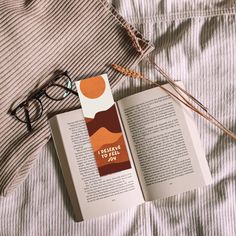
{"points": [[36, 39]]}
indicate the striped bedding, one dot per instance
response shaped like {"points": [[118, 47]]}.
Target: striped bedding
{"points": [[196, 43]]}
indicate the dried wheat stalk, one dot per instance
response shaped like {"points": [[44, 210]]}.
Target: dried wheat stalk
{"points": [[202, 110]]}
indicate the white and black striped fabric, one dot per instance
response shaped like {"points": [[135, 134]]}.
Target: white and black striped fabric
{"points": [[195, 42], [36, 39]]}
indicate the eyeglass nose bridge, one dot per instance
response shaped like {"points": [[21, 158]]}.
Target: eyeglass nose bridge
{"points": [[36, 95]]}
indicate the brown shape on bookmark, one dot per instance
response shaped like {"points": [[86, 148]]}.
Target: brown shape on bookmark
{"points": [[107, 119]]}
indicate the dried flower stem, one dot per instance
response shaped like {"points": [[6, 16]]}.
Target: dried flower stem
{"points": [[202, 111]]}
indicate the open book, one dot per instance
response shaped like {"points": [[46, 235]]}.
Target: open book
{"points": [[164, 148]]}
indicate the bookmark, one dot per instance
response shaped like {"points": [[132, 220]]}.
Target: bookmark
{"points": [[103, 124]]}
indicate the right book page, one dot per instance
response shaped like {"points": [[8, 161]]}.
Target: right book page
{"points": [[165, 144]]}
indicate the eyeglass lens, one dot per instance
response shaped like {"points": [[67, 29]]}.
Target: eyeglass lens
{"points": [[58, 92]]}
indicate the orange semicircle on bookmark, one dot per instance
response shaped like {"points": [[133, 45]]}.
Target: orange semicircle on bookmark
{"points": [[93, 87]]}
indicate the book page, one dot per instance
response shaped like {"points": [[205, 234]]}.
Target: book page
{"points": [[98, 195], [165, 142]]}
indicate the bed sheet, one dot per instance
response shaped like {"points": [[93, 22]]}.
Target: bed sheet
{"points": [[196, 43]]}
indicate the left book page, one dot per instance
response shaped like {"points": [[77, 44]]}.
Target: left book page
{"points": [[91, 194]]}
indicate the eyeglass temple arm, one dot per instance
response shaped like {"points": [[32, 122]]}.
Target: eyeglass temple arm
{"points": [[69, 90], [29, 127]]}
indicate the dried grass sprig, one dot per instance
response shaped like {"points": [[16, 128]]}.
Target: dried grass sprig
{"points": [[201, 109]]}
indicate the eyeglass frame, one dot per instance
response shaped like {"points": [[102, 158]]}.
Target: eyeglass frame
{"points": [[37, 94]]}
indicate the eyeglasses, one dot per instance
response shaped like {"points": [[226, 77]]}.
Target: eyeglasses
{"points": [[31, 109]]}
